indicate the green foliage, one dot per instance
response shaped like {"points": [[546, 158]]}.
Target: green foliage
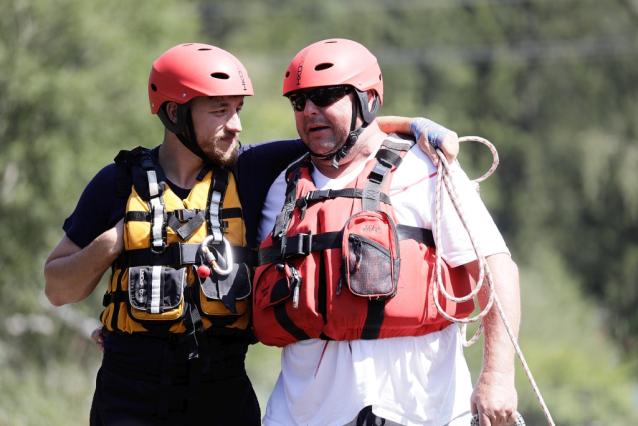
{"points": [[553, 84], [72, 93]]}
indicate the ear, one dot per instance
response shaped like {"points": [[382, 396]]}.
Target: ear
{"points": [[171, 111]]}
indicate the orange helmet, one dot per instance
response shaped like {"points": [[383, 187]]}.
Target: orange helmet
{"points": [[194, 69], [334, 62], [190, 70], [338, 62]]}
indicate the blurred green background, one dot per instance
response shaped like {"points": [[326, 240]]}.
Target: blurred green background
{"points": [[552, 83]]}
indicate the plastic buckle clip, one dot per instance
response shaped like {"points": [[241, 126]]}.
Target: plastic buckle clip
{"points": [[297, 246], [184, 215], [376, 175]]}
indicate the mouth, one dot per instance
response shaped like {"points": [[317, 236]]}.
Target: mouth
{"points": [[228, 139], [316, 128]]}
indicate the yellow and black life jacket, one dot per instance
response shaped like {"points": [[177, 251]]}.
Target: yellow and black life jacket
{"points": [[154, 288]]}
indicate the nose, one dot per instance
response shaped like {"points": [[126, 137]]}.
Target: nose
{"points": [[310, 109], [234, 123]]}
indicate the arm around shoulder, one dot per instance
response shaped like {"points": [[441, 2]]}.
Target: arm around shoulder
{"points": [[71, 273]]}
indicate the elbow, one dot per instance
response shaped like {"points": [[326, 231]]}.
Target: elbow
{"points": [[53, 297], [50, 289]]}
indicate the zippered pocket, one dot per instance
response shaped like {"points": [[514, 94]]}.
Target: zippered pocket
{"points": [[370, 256]]}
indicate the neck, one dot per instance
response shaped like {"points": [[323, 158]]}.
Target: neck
{"points": [[368, 143], [179, 163]]}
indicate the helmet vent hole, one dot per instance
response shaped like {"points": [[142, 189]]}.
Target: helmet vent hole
{"points": [[287, 74], [154, 87], [332, 41], [187, 44], [204, 48], [379, 77], [220, 75], [322, 67]]}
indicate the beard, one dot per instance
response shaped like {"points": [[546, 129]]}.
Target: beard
{"points": [[212, 149], [327, 145]]}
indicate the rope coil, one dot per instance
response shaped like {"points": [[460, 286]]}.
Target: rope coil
{"points": [[485, 275]]}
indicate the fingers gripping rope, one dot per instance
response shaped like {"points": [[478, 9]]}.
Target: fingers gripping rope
{"points": [[485, 275], [518, 422]]}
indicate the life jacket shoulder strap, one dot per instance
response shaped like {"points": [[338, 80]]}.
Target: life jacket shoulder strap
{"points": [[293, 174], [124, 160], [388, 156]]}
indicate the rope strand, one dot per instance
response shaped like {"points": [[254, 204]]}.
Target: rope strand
{"points": [[485, 275]]}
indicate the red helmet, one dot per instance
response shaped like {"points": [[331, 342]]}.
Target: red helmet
{"points": [[194, 69], [334, 62]]}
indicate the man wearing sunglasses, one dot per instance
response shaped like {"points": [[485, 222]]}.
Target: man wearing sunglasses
{"points": [[194, 185], [414, 376]]}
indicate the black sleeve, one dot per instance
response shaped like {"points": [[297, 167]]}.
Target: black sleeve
{"points": [[258, 167], [98, 209]]}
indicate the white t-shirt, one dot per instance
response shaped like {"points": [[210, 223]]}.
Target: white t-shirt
{"points": [[409, 380]]}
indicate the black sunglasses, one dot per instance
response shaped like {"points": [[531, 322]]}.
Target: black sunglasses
{"points": [[321, 96]]}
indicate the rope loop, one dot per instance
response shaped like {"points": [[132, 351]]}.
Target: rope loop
{"points": [[485, 275]]}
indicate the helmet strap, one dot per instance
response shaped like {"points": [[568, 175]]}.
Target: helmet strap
{"points": [[184, 122]]}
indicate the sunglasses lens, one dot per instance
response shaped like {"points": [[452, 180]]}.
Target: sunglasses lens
{"points": [[298, 101], [321, 97], [325, 96]]}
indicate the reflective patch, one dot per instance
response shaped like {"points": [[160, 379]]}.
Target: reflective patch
{"points": [[155, 289]]}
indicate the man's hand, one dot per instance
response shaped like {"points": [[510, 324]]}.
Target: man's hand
{"points": [[449, 146], [494, 399], [449, 143], [98, 338]]}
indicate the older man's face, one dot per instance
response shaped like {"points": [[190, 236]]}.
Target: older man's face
{"points": [[325, 129]]}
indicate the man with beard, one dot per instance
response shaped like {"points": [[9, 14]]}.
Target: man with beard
{"points": [[344, 282], [171, 225]]}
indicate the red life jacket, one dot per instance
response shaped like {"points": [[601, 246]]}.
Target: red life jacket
{"points": [[338, 266]]}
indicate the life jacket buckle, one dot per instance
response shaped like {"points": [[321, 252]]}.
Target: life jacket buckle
{"points": [[376, 175], [299, 245], [184, 215]]}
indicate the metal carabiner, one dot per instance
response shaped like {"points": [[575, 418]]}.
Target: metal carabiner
{"points": [[210, 257]]}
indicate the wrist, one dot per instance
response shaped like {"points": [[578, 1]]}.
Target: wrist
{"points": [[435, 133]]}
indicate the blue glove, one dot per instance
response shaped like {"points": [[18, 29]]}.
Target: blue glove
{"points": [[435, 132]]}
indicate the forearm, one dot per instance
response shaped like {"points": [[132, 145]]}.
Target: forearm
{"points": [[392, 124], [71, 276], [498, 350]]}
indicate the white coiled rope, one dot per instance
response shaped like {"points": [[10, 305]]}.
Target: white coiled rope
{"points": [[485, 275]]}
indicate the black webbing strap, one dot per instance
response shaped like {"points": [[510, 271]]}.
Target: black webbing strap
{"points": [[178, 254], [421, 235], [314, 196], [184, 215], [231, 213], [385, 161], [202, 173], [113, 298], [374, 319], [283, 218], [121, 175], [137, 216], [299, 245], [303, 244], [389, 157], [185, 232], [282, 317]]}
